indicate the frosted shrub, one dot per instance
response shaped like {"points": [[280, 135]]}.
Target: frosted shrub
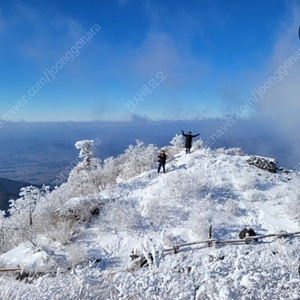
{"points": [[79, 209], [199, 222], [231, 151], [177, 143], [80, 181], [152, 251], [156, 214], [47, 219], [77, 255], [90, 177], [3, 230], [179, 183], [198, 144], [54, 218], [109, 173], [293, 208], [170, 240], [176, 183], [135, 160], [63, 230], [86, 153], [22, 214], [65, 220], [53, 223], [235, 151], [118, 218]]}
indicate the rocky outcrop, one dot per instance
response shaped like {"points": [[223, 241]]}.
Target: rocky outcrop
{"points": [[263, 163]]}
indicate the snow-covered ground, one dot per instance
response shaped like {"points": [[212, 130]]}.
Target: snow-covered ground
{"points": [[152, 213]]}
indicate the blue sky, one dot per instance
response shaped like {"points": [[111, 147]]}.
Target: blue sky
{"points": [[208, 57]]}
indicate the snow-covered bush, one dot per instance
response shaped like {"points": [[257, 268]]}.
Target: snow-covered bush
{"points": [[3, 235], [86, 153], [80, 181], [201, 217], [171, 240], [47, 215], [158, 215], [136, 159], [62, 230], [293, 208], [80, 209], [152, 251], [231, 151], [40, 212], [23, 220], [177, 143], [90, 177], [77, 255], [117, 217], [65, 220], [199, 223], [181, 182], [198, 144], [109, 173]]}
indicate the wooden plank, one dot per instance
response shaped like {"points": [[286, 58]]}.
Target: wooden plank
{"points": [[10, 270]]}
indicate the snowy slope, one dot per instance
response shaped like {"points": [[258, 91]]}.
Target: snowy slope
{"points": [[152, 213]]}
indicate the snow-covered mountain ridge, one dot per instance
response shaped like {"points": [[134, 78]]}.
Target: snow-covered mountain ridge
{"points": [[152, 212]]}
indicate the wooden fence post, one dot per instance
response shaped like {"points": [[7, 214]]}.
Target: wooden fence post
{"points": [[209, 236]]}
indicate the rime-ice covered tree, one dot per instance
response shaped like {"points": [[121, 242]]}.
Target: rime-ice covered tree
{"points": [[2, 229], [177, 143], [136, 159], [86, 153], [108, 173], [22, 214], [81, 179], [89, 176]]}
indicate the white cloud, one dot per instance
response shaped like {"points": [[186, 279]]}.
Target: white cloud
{"points": [[281, 99], [49, 34]]}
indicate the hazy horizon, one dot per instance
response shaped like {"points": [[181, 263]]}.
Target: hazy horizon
{"points": [[38, 152]]}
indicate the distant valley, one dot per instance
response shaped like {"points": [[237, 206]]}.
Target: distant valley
{"points": [[40, 152], [9, 189]]}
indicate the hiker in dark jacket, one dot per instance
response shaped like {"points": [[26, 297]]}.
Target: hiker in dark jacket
{"points": [[188, 140], [162, 157]]}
